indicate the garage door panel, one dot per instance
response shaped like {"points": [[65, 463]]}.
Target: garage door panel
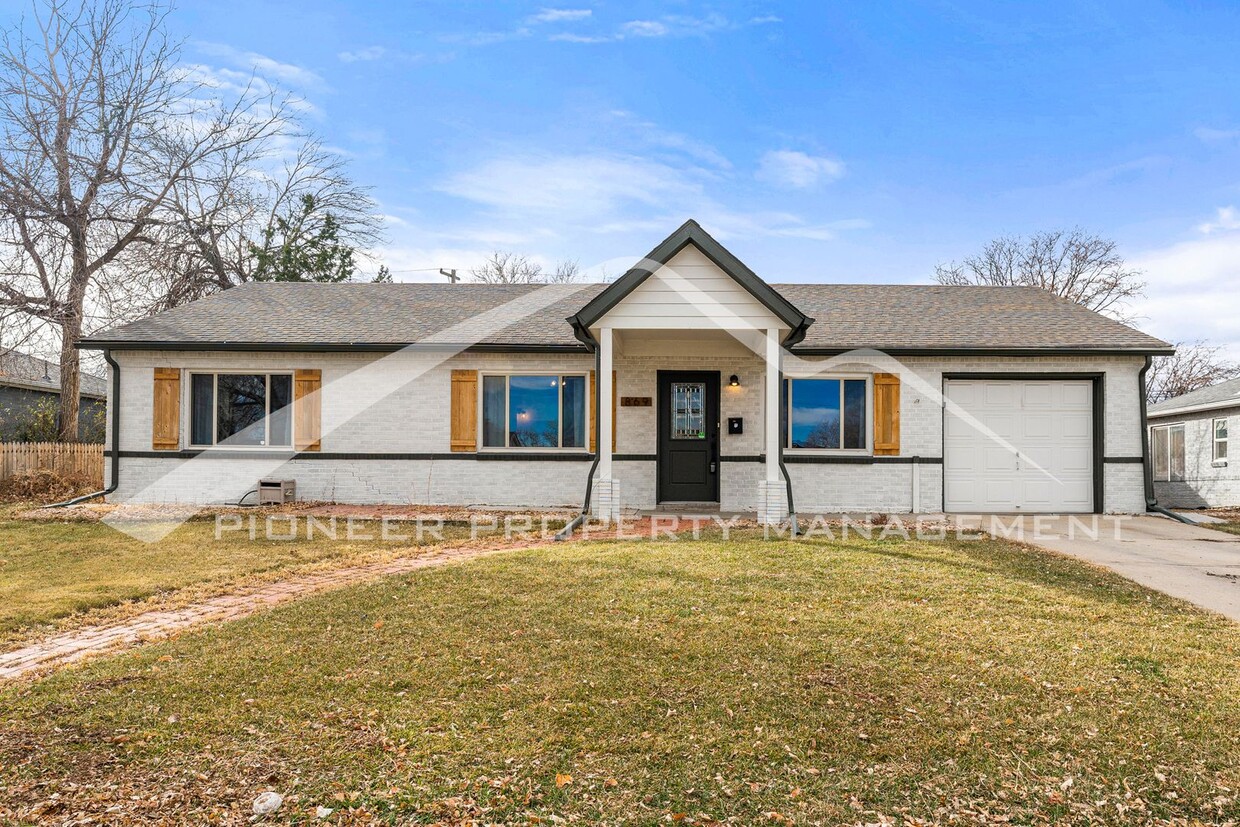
{"points": [[998, 395], [998, 459], [1078, 396], [1049, 422], [1075, 426], [1038, 395], [1037, 426]]}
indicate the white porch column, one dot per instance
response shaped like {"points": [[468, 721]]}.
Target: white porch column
{"points": [[771, 442], [772, 491], [608, 488]]}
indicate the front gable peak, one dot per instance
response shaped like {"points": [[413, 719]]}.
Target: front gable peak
{"points": [[691, 234]]}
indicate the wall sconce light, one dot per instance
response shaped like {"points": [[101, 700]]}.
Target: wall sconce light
{"points": [[733, 381]]}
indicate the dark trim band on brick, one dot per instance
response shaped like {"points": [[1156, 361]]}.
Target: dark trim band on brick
{"points": [[808, 459], [348, 456], [1124, 460]]}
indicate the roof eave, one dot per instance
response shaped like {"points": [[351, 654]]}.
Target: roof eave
{"points": [[333, 347], [988, 351], [1205, 407]]}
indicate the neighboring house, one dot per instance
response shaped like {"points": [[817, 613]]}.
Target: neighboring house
{"points": [[1189, 441], [718, 390], [30, 388]]}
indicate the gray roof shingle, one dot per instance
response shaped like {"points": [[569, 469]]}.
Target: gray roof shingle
{"points": [[888, 317], [24, 371], [1223, 395]]}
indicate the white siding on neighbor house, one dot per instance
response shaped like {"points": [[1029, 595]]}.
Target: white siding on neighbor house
{"points": [[414, 419], [689, 292], [1206, 484]]}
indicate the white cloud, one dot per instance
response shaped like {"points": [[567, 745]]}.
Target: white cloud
{"points": [[651, 135], [288, 73], [645, 28], [1212, 135], [668, 25], [584, 184], [616, 193], [797, 170], [361, 55], [1226, 218], [1192, 293], [559, 15], [569, 37]]}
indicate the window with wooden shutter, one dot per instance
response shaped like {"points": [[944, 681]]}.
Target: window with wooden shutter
{"points": [[166, 411], [593, 423], [307, 409], [886, 414], [464, 411]]}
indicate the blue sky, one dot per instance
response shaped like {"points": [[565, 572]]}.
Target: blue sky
{"points": [[820, 141]]}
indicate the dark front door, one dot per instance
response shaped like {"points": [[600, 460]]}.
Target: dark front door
{"points": [[688, 436]]}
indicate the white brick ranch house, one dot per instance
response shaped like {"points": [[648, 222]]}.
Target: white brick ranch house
{"points": [[1193, 464], [718, 389]]}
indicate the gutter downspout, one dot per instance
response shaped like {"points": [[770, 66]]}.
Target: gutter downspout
{"points": [[792, 510], [114, 401], [583, 335], [1151, 501]]}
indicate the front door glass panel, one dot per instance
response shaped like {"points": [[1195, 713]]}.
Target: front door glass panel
{"points": [[688, 410]]}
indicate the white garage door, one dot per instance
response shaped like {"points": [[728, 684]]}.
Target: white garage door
{"points": [[1018, 446]]}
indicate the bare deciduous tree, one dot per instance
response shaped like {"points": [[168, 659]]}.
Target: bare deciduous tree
{"points": [[512, 268], [99, 127], [226, 221], [1195, 365], [1077, 265]]}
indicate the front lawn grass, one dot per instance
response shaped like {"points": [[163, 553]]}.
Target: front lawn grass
{"points": [[53, 572], [663, 683]]}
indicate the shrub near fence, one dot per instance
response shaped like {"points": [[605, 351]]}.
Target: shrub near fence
{"points": [[69, 459]]}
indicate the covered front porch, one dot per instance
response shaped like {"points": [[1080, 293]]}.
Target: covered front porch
{"points": [[689, 430], [692, 340]]}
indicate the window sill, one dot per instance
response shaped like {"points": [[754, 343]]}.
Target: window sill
{"points": [[825, 452], [207, 449]]}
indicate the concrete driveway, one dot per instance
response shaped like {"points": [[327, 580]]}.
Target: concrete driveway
{"points": [[1196, 564]]}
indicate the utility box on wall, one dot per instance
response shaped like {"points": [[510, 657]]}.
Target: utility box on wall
{"points": [[736, 425], [276, 492]]}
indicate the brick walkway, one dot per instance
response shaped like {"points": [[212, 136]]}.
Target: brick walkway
{"points": [[95, 640]]}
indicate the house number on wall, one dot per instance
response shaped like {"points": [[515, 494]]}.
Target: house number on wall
{"points": [[635, 401]]}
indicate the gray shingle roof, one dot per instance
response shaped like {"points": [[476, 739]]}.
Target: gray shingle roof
{"points": [[24, 371], [888, 317], [1222, 395]]}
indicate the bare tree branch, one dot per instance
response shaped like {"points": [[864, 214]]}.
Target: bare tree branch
{"points": [[1077, 265], [511, 268], [1195, 365]]}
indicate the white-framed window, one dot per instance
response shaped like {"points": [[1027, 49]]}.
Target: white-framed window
{"points": [[828, 413], [534, 410], [1167, 444], [1219, 429], [238, 409]]}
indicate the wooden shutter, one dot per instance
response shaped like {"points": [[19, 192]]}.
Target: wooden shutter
{"points": [[464, 410], [307, 409], [166, 413], [593, 423], [886, 414], [593, 419]]}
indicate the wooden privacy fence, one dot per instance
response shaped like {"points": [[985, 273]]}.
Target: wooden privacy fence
{"points": [[76, 458]]}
